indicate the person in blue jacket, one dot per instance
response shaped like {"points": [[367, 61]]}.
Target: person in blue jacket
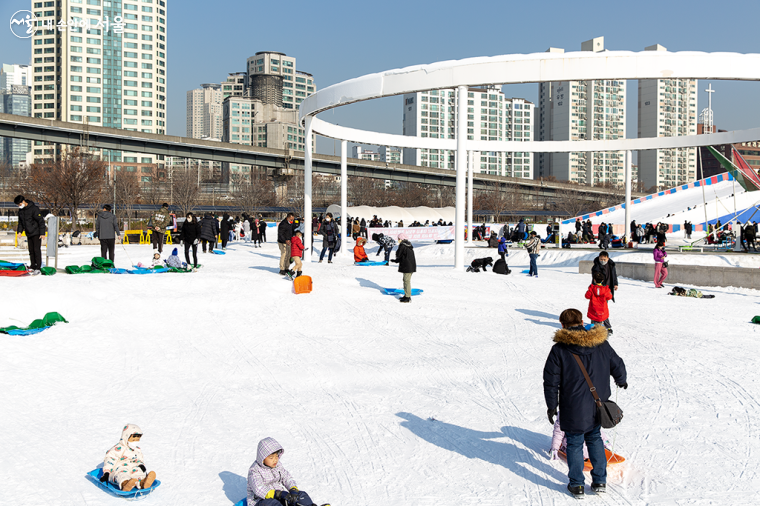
{"points": [[503, 248], [565, 385]]}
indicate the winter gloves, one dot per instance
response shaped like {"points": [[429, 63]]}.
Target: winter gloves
{"points": [[624, 386], [104, 478], [288, 498], [141, 466], [551, 413]]}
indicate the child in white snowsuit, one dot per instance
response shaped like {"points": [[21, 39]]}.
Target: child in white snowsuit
{"points": [[156, 260], [124, 464], [559, 442], [269, 483]]}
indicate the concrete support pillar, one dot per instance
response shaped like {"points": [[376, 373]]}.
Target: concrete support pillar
{"points": [[628, 161], [470, 170], [344, 196], [308, 237], [461, 167]]}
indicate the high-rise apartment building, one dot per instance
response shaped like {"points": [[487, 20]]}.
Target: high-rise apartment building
{"points": [[582, 110], [265, 112], [667, 108], [204, 112], [490, 116], [101, 62], [383, 154], [11, 75], [235, 85], [361, 153], [14, 100]]}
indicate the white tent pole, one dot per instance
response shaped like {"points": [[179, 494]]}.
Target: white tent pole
{"points": [[344, 195], [461, 167], [628, 182], [308, 238], [471, 168]]}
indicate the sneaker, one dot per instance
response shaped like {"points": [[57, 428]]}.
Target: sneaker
{"points": [[147, 482], [599, 488], [282, 273], [320, 261], [34, 272], [577, 492], [405, 299], [329, 261], [609, 332]]}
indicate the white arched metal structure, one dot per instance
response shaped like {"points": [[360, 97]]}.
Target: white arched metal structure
{"points": [[514, 69]]}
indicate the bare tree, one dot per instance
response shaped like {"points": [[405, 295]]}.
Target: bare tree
{"points": [[125, 190], [185, 189], [498, 198], [365, 191], [77, 178], [155, 191], [251, 195]]}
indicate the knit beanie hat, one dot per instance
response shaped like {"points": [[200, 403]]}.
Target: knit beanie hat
{"points": [[402, 237]]}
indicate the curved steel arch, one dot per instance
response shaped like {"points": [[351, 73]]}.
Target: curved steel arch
{"points": [[534, 68]]}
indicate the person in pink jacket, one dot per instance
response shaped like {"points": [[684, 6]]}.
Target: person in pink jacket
{"points": [[660, 270]]}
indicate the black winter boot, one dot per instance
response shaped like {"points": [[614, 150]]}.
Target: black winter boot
{"points": [[298, 273], [577, 492]]}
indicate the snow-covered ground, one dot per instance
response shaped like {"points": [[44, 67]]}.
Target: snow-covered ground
{"points": [[438, 402]]}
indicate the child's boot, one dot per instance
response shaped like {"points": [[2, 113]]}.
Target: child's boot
{"points": [[298, 273], [147, 482], [127, 486]]}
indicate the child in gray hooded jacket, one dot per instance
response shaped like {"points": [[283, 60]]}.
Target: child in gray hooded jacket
{"points": [[269, 483]]}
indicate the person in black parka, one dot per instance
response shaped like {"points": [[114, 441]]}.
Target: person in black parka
{"points": [[226, 225], [190, 236], [604, 264], [30, 220], [407, 265], [565, 385], [209, 231]]}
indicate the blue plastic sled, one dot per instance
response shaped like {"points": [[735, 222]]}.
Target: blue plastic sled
{"points": [[370, 263], [29, 332], [399, 291], [96, 474], [142, 270], [241, 502], [218, 252]]}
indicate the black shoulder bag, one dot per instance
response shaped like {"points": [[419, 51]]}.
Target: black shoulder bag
{"points": [[610, 413]]}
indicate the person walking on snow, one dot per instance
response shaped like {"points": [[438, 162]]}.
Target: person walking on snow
{"points": [[108, 230], [190, 235], [329, 233], [209, 231], [598, 295], [124, 465], [604, 264], [660, 269], [159, 221], [31, 222], [565, 387], [533, 246], [269, 483], [284, 236], [407, 265]]}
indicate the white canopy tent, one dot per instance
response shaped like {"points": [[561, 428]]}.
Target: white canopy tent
{"points": [[396, 214]]}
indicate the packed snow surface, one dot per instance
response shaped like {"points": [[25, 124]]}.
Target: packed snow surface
{"points": [[434, 403]]}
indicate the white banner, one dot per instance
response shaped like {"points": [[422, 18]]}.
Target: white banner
{"points": [[416, 233]]}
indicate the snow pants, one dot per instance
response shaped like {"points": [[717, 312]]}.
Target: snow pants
{"points": [[606, 323], [303, 500], [34, 244], [125, 474], [157, 238], [107, 248], [408, 284], [596, 455], [660, 274]]}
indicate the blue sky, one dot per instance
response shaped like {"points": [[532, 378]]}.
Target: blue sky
{"points": [[339, 40]]}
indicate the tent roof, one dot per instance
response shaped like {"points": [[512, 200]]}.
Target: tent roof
{"points": [[395, 213]]}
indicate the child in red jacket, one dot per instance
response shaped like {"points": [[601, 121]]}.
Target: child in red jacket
{"points": [[598, 295], [296, 253], [359, 254]]}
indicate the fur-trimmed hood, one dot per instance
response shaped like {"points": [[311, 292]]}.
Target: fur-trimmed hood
{"points": [[579, 336]]}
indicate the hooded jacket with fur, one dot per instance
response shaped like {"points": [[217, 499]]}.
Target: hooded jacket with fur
{"points": [[564, 383], [262, 479], [598, 295]]}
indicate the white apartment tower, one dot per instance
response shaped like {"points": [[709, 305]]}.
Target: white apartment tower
{"points": [[204, 112], [490, 116], [101, 62], [667, 108], [14, 75], [582, 110]]}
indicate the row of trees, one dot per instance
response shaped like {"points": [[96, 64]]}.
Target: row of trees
{"points": [[79, 178]]}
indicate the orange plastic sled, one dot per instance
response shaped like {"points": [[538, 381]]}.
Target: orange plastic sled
{"points": [[302, 284], [612, 459]]}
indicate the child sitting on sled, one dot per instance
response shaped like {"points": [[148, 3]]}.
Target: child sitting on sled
{"points": [[269, 483], [124, 466], [359, 254], [156, 260], [173, 260]]}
